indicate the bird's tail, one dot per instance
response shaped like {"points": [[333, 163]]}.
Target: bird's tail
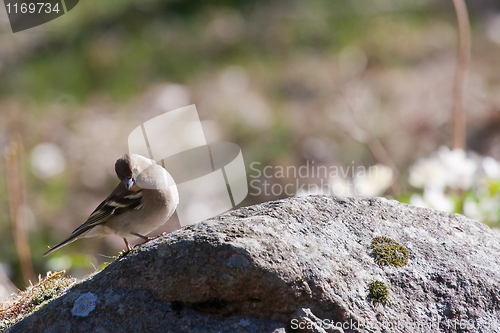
{"points": [[70, 239]]}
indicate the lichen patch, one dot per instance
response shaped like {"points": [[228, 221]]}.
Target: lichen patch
{"points": [[84, 305]]}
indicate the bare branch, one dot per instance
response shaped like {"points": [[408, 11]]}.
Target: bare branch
{"points": [[460, 74]]}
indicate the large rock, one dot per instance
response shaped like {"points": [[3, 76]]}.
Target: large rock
{"points": [[291, 264]]}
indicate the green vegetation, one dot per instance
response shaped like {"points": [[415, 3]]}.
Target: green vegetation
{"points": [[389, 252], [378, 293], [33, 298], [307, 81]]}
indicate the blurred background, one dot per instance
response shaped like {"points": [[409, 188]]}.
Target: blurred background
{"points": [[335, 83]]}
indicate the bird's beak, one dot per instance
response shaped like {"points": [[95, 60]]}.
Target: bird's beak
{"points": [[129, 182]]}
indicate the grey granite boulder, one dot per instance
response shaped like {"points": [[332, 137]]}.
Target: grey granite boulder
{"points": [[294, 265]]}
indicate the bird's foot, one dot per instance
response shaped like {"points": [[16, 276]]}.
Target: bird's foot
{"points": [[155, 237], [147, 239]]}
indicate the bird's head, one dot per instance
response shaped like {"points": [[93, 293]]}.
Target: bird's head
{"points": [[124, 169], [138, 172]]}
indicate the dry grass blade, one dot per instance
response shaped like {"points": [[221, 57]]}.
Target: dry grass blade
{"points": [[14, 174]]}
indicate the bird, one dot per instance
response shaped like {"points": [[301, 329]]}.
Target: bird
{"points": [[145, 199]]}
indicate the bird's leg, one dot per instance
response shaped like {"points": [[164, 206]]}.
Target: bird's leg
{"points": [[126, 243], [147, 239]]}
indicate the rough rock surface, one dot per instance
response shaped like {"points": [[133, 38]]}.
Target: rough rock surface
{"points": [[290, 264]]}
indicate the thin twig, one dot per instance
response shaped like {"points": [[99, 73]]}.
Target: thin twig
{"points": [[460, 74], [369, 138]]}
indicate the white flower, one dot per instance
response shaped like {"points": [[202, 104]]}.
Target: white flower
{"points": [[484, 210], [491, 167], [437, 199], [375, 182], [433, 198], [428, 172], [460, 170], [418, 201], [471, 210], [447, 167]]}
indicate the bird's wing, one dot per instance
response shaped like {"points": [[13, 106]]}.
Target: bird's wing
{"points": [[118, 202]]}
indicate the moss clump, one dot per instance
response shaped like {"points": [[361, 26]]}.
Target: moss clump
{"points": [[33, 298], [378, 293], [389, 252]]}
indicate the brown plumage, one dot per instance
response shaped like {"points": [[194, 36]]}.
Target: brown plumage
{"points": [[144, 199]]}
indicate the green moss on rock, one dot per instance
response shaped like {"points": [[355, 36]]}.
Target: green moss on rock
{"points": [[378, 293], [33, 298], [389, 252]]}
